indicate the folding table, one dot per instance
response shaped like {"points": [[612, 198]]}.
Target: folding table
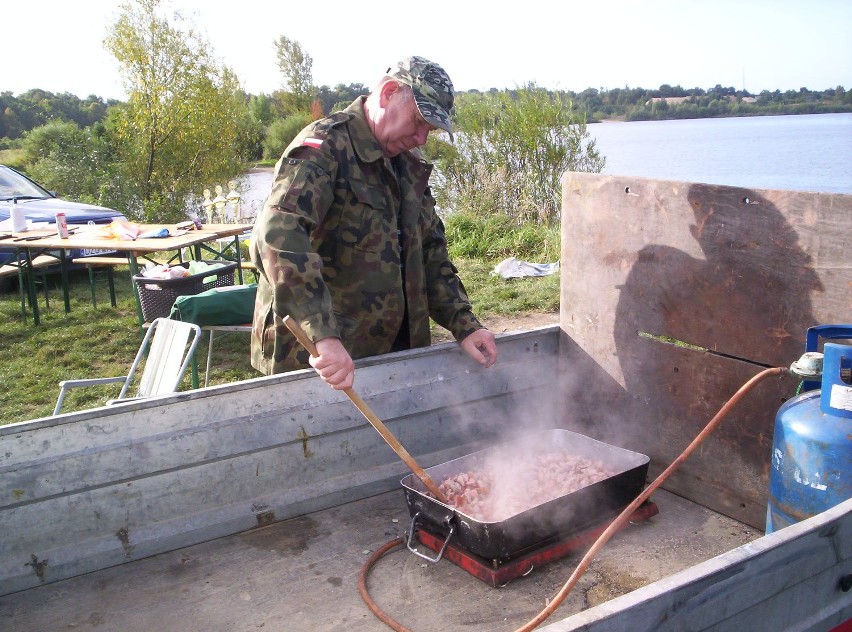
{"points": [[37, 242]]}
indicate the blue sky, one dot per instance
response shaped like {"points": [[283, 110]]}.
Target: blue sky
{"points": [[756, 44]]}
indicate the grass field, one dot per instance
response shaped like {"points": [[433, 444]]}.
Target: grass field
{"points": [[84, 343], [102, 342]]}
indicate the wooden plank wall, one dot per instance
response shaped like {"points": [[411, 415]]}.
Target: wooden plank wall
{"points": [[740, 272], [93, 489]]}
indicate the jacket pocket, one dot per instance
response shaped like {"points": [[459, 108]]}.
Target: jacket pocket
{"points": [[268, 334], [372, 223], [346, 325]]}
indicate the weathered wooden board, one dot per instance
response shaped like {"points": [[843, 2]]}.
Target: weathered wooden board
{"points": [[92, 489], [742, 273], [788, 580]]}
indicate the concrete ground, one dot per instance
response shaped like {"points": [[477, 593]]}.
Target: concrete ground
{"points": [[301, 575]]}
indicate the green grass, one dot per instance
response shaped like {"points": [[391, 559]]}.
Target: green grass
{"points": [[84, 343], [102, 342], [491, 294], [495, 237], [478, 243]]}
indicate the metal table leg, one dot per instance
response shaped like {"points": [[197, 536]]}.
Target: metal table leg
{"points": [[134, 270], [23, 285], [91, 271], [209, 354], [239, 257], [63, 263], [30, 273]]}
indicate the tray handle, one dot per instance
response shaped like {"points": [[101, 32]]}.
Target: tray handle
{"points": [[418, 553]]}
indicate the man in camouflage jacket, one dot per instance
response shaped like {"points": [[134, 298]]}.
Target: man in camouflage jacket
{"points": [[348, 243]]}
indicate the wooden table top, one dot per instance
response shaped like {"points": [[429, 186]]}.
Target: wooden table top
{"points": [[83, 236]]}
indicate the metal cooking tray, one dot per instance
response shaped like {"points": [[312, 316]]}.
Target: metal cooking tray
{"points": [[558, 518]]}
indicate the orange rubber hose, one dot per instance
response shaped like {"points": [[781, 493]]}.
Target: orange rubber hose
{"points": [[365, 595]]}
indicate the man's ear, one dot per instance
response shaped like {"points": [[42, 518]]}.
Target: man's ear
{"points": [[387, 90]]}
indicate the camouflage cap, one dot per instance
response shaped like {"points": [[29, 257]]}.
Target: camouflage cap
{"points": [[433, 90]]}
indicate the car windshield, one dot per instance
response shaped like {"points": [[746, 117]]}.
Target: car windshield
{"points": [[15, 186]]}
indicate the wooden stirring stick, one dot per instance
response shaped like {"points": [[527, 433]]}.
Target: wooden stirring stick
{"points": [[377, 423]]}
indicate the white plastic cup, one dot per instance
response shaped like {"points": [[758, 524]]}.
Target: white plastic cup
{"points": [[19, 222]]}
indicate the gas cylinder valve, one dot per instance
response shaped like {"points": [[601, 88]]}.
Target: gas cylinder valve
{"points": [[809, 366]]}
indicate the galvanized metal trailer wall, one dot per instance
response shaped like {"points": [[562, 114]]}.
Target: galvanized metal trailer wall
{"points": [[796, 579], [88, 490]]}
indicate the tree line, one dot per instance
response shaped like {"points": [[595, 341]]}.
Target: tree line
{"points": [[34, 108], [20, 114], [675, 102]]}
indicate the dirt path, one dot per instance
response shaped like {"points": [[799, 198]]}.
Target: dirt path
{"points": [[503, 324]]}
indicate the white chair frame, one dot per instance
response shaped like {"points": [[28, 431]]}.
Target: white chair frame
{"points": [[165, 345]]}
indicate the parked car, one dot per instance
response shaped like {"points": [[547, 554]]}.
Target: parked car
{"points": [[41, 206]]}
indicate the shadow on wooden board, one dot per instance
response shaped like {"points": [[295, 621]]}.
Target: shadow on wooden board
{"points": [[681, 292]]}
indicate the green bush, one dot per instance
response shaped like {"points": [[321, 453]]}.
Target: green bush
{"points": [[49, 139], [510, 151], [282, 132], [13, 156], [77, 163]]}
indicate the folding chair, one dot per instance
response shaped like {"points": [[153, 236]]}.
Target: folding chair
{"points": [[171, 348]]}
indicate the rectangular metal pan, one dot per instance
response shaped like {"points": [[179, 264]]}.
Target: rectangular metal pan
{"points": [[548, 521]]}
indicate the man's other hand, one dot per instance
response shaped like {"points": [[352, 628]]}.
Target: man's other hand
{"points": [[481, 346]]}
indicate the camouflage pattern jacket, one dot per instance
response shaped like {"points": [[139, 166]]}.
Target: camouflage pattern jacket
{"points": [[329, 254]]}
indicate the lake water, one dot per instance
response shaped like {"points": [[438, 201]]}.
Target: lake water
{"points": [[806, 152], [254, 187]]}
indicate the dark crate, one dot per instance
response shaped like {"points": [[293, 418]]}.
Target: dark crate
{"points": [[158, 295]]}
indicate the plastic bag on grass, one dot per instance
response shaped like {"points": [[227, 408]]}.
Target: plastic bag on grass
{"points": [[514, 268]]}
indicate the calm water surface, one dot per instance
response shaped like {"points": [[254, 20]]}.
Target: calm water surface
{"points": [[807, 152]]}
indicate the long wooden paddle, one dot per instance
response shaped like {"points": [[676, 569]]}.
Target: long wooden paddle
{"points": [[377, 423]]}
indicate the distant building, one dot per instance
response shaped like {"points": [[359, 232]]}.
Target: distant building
{"points": [[668, 100], [678, 100]]}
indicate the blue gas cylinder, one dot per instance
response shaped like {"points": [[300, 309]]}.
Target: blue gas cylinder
{"points": [[811, 464]]}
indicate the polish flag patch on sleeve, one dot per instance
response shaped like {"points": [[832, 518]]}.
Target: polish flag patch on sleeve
{"points": [[312, 142]]}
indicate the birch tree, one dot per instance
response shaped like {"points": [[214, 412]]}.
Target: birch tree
{"points": [[180, 130], [296, 65]]}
